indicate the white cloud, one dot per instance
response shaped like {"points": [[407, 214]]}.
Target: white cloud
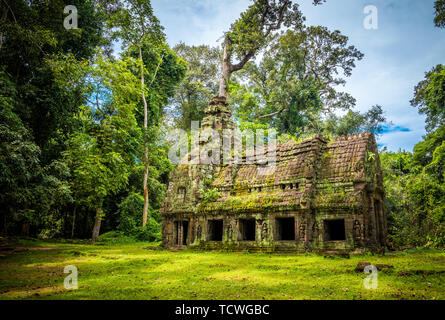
{"points": [[400, 140]]}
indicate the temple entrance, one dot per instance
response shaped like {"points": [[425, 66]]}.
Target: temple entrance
{"points": [[335, 230], [215, 230], [181, 232], [285, 229], [185, 232], [247, 229]]}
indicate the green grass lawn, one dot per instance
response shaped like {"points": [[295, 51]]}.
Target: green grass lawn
{"points": [[139, 271]]}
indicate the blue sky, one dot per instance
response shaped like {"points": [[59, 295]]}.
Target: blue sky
{"points": [[397, 54]]}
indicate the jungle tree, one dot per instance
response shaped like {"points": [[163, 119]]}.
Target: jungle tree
{"points": [[252, 32], [133, 22], [297, 80], [199, 85], [105, 146]]}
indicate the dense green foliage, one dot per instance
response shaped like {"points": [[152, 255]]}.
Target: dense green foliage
{"points": [[198, 87], [128, 270], [429, 97], [37, 112], [415, 182], [439, 18], [297, 75], [71, 116], [129, 220], [415, 202]]}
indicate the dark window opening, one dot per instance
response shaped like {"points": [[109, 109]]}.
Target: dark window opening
{"points": [[335, 230], [247, 229], [259, 189], [291, 186], [285, 228], [215, 230], [283, 186], [296, 186]]}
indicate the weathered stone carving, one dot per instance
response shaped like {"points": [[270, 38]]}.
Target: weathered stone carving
{"points": [[302, 232], [358, 232], [264, 230], [230, 232], [315, 231], [199, 232]]}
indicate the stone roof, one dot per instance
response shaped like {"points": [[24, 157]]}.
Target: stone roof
{"points": [[316, 173]]}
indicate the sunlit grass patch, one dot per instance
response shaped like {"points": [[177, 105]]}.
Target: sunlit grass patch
{"points": [[136, 271]]}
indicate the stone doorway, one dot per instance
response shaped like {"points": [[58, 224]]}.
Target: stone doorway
{"points": [[247, 229], [181, 232], [335, 230], [215, 230], [285, 229]]}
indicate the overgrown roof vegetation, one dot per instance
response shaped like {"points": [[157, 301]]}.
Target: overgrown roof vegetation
{"points": [[242, 187]]}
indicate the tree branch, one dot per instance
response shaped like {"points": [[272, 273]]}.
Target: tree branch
{"points": [[97, 105], [156, 72], [240, 65], [272, 114], [269, 29], [280, 19]]}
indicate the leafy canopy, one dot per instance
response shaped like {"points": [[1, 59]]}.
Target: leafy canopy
{"points": [[429, 97]]}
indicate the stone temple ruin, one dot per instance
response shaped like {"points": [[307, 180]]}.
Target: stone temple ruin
{"points": [[323, 194]]}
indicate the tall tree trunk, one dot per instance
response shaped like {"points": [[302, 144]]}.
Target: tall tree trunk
{"points": [[4, 224], [97, 222], [25, 229], [145, 183], [74, 221], [146, 201], [4, 15], [225, 70]]}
